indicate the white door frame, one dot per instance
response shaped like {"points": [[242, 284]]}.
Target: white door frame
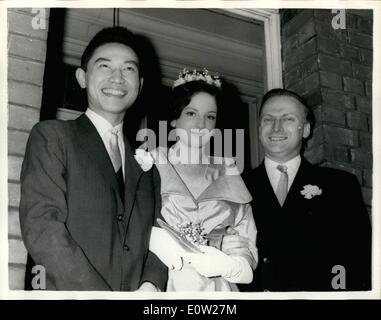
{"points": [[273, 62], [271, 21]]}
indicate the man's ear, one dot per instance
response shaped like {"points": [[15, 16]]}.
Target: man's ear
{"points": [[141, 84], [306, 130], [173, 123], [80, 74]]}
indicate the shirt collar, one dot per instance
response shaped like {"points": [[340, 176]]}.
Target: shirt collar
{"points": [[101, 124], [292, 165]]}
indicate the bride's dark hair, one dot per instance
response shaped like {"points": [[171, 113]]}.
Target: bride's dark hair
{"points": [[182, 95]]}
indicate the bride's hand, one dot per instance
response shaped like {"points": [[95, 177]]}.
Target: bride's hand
{"points": [[211, 263], [166, 248]]}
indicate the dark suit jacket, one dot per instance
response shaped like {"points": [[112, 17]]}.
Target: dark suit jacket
{"points": [[73, 219], [301, 242]]}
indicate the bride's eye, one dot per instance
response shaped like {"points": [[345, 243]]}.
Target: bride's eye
{"points": [[190, 113]]}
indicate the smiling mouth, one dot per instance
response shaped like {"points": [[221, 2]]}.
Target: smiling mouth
{"points": [[277, 139], [114, 92], [200, 133]]}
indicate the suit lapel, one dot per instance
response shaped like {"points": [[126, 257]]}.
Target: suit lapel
{"points": [[301, 179], [264, 184], [92, 144], [293, 195], [133, 172]]}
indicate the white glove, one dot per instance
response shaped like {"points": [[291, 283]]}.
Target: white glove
{"points": [[166, 248], [212, 262]]}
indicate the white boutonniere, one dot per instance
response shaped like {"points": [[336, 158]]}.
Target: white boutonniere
{"points": [[309, 191], [144, 158]]}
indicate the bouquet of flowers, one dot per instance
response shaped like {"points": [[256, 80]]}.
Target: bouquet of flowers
{"points": [[193, 232]]}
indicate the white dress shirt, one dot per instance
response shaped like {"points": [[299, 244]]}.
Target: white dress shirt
{"points": [[274, 174], [103, 126]]}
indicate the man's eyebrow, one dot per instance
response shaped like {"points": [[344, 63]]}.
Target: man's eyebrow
{"points": [[289, 114], [101, 59], [131, 61], [282, 115]]}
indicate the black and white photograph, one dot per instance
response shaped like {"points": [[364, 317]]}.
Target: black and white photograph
{"points": [[190, 150]]}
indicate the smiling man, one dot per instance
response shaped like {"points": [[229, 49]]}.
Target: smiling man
{"points": [[87, 207], [314, 232]]}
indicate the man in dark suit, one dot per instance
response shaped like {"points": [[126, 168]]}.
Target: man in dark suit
{"points": [[87, 207], [314, 232]]}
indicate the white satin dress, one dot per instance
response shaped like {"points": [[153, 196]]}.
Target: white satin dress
{"points": [[225, 202]]}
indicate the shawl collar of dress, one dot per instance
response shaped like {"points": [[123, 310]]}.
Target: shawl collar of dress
{"points": [[228, 187]]}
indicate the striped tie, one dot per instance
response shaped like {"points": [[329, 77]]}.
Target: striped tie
{"points": [[116, 158], [282, 189], [115, 155]]}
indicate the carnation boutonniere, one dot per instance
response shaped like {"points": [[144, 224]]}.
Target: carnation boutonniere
{"points": [[309, 191], [144, 158]]}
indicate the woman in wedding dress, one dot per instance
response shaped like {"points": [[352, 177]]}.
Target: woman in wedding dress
{"points": [[202, 196]]}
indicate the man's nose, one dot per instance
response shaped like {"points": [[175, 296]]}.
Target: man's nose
{"points": [[277, 125], [117, 76]]}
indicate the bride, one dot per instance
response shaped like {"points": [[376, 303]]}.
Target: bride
{"points": [[202, 196]]}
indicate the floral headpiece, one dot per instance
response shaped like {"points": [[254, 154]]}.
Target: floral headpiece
{"points": [[188, 76]]}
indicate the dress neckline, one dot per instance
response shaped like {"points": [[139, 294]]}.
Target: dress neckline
{"points": [[227, 186], [172, 167]]}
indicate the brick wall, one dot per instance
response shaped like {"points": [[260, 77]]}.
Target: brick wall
{"points": [[332, 69], [26, 61]]}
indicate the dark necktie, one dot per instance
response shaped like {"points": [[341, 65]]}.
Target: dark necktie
{"points": [[282, 188]]}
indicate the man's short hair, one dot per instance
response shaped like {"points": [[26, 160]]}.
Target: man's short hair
{"points": [[112, 35], [279, 92]]}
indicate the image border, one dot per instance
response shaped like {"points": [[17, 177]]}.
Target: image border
{"points": [[5, 293]]}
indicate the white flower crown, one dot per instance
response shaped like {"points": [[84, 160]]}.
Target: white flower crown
{"points": [[188, 76]]}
